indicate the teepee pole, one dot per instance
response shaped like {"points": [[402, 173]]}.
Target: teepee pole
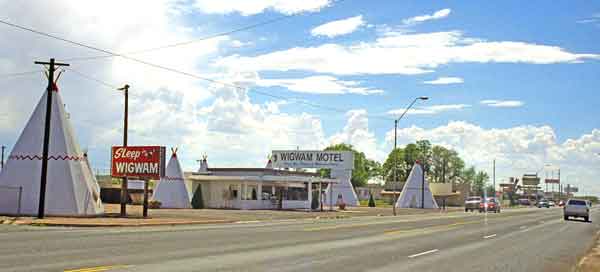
{"points": [[52, 67]]}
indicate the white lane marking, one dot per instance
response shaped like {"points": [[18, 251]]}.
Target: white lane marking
{"points": [[563, 228], [489, 236], [423, 253], [523, 227], [247, 222]]}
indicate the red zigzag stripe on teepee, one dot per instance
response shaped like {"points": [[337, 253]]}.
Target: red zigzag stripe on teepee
{"points": [[171, 178], [37, 157]]}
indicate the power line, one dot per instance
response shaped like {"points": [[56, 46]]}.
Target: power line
{"points": [[173, 70], [19, 74], [212, 36], [216, 35], [103, 83]]}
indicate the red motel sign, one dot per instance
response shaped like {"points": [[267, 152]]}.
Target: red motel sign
{"points": [[141, 162]]}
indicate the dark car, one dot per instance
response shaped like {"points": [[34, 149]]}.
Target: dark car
{"points": [[490, 205], [543, 204], [524, 202]]}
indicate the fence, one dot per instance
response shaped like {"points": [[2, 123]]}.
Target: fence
{"points": [[10, 199]]}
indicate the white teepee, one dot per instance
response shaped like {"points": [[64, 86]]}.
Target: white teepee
{"points": [[343, 191], [171, 190], [70, 190], [410, 197]]}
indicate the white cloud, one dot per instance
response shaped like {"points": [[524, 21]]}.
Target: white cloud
{"points": [[594, 18], [246, 7], [319, 85], [428, 110], [517, 150], [238, 43], [445, 81], [356, 132], [443, 13], [503, 103], [339, 27], [401, 53]]}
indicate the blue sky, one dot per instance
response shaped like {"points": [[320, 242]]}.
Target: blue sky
{"points": [[523, 74], [559, 94]]}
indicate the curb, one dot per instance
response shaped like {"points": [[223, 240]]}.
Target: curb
{"points": [[142, 224]]}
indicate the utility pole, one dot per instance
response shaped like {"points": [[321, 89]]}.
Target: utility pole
{"points": [[2, 161], [494, 177], [395, 165], [44, 177], [124, 190]]}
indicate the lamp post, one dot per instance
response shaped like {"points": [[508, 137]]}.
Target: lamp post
{"points": [[2, 161], [395, 143]]}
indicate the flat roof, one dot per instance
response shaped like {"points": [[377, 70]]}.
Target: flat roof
{"points": [[264, 178]]}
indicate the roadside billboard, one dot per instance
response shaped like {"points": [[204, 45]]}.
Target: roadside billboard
{"points": [[530, 180], [343, 160], [141, 162], [552, 181], [571, 189]]}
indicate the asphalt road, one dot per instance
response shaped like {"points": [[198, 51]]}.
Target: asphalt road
{"points": [[517, 240]]}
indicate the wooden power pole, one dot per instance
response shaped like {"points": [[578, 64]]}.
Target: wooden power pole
{"points": [[52, 68], [124, 187]]}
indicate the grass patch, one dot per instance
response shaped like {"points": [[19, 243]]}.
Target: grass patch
{"points": [[381, 203]]}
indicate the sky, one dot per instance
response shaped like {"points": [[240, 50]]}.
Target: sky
{"points": [[512, 81]]}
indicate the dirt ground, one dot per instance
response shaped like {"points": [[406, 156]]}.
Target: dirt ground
{"points": [[591, 261], [265, 215], [205, 216]]}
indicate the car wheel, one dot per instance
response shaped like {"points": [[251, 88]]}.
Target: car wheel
{"points": [[566, 218], [586, 219], [466, 210]]}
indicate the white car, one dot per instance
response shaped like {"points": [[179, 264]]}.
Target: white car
{"points": [[577, 208]]}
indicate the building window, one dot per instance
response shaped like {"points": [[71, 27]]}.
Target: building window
{"points": [[251, 192], [267, 192]]}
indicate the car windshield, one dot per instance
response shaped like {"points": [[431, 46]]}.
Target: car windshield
{"points": [[474, 198], [577, 202]]}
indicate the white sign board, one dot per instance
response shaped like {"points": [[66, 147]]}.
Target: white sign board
{"points": [[312, 159]]}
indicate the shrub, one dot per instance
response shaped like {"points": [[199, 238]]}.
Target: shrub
{"points": [[371, 201], [154, 204]]}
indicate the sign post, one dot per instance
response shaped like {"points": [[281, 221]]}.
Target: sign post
{"points": [[138, 162]]}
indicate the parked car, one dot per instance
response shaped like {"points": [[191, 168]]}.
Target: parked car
{"points": [[524, 202], [490, 205], [543, 204], [561, 203], [472, 203], [551, 203], [577, 208]]}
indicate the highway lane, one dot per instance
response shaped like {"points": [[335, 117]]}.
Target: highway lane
{"points": [[516, 240]]}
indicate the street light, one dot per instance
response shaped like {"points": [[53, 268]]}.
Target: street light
{"points": [[395, 143]]}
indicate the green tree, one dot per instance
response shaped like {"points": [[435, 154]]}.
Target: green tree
{"points": [[363, 167], [395, 161], [446, 165], [479, 182], [467, 178]]}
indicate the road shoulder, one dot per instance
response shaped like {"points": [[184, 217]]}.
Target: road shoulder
{"points": [[591, 261]]}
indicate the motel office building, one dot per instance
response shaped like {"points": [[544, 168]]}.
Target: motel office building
{"points": [[256, 188]]}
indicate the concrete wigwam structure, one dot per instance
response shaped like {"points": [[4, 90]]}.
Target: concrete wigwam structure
{"points": [[171, 190], [71, 188], [412, 191]]}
